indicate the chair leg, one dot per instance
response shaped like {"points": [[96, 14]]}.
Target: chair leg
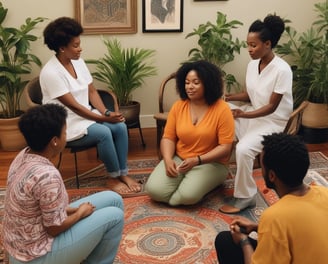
{"points": [[141, 136], [159, 134], [76, 172]]}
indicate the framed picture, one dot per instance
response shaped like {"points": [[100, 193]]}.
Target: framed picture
{"points": [[162, 15], [107, 16]]}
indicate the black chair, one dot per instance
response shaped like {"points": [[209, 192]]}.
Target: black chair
{"points": [[33, 96]]}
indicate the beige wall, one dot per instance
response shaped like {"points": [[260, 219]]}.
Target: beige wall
{"points": [[172, 48]]}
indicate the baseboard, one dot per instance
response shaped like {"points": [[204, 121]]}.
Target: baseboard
{"points": [[147, 121]]}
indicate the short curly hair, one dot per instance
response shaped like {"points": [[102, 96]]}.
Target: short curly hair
{"points": [[41, 123], [208, 73], [60, 32], [287, 156]]}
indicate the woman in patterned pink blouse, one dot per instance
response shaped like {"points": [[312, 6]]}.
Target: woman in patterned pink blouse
{"points": [[39, 224]]}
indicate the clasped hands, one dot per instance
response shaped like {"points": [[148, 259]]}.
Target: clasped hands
{"points": [[173, 169], [116, 117], [241, 227]]}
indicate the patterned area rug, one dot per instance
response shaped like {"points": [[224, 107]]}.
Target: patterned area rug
{"points": [[98, 177], [157, 233]]}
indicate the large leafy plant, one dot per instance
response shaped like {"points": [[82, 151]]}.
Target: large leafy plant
{"points": [[308, 55], [123, 69], [16, 60], [217, 45]]}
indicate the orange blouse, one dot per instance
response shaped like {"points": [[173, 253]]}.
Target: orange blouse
{"points": [[216, 127]]}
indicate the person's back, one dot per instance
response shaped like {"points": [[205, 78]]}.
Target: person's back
{"points": [[295, 229], [291, 231]]}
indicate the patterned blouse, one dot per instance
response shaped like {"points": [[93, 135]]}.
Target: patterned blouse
{"points": [[35, 198]]}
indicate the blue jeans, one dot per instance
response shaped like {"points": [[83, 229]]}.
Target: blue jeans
{"points": [[112, 145], [94, 239]]}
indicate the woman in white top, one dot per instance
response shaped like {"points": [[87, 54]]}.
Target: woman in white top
{"points": [[66, 80], [269, 92]]}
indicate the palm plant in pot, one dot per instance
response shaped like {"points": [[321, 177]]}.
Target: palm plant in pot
{"points": [[308, 55], [16, 60], [123, 70], [217, 45]]}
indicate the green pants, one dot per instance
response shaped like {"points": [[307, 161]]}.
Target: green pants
{"points": [[187, 188]]}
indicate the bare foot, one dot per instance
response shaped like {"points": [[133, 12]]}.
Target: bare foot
{"points": [[118, 186], [131, 183]]}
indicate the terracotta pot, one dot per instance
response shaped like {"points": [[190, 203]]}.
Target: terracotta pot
{"points": [[11, 138]]}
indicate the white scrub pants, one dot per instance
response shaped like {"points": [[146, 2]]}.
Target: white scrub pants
{"points": [[249, 133]]}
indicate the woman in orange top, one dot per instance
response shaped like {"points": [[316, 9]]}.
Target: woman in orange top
{"points": [[197, 139]]}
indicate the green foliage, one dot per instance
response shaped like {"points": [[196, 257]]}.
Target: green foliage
{"points": [[308, 53], [16, 60], [123, 69], [217, 45]]}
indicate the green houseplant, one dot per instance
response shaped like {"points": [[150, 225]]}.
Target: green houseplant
{"points": [[123, 69], [217, 45], [16, 60], [308, 56]]}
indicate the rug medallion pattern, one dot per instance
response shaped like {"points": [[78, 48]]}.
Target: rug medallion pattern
{"points": [[157, 233]]}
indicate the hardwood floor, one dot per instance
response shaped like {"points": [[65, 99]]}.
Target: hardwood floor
{"points": [[88, 159]]}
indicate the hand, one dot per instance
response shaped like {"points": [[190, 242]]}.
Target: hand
{"points": [[187, 165], [236, 234], [116, 117], [226, 97], [85, 209], [171, 168], [237, 113], [248, 225]]}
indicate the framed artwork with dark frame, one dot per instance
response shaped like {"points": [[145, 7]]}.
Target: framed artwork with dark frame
{"points": [[107, 16], [162, 16]]}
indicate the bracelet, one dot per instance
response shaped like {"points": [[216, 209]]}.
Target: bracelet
{"points": [[199, 160], [244, 241]]}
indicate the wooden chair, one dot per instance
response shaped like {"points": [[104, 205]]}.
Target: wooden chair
{"points": [[33, 97], [292, 128], [166, 97], [295, 119]]}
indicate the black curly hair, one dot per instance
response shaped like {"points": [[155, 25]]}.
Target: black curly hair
{"points": [[208, 73], [60, 32], [287, 156], [271, 29], [40, 124]]}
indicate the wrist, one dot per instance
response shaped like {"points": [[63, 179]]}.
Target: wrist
{"points": [[244, 241], [107, 112], [199, 160]]}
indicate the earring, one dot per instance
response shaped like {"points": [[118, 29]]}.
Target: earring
{"points": [[55, 144]]}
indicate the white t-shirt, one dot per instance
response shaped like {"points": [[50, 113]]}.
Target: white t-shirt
{"points": [[276, 77], [56, 81]]}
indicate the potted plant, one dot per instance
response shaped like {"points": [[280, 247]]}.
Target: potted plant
{"points": [[216, 45], [308, 56], [16, 60], [123, 70]]}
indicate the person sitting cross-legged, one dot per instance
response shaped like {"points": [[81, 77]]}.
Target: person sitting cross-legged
{"points": [[197, 139], [293, 230], [39, 224]]}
